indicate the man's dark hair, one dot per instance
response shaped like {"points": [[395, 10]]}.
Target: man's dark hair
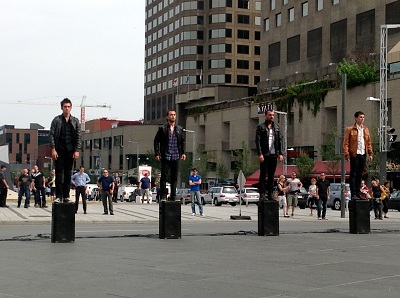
{"points": [[170, 110], [356, 114], [81, 167], [3, 167], [194, 169], [269, 110], [65, 100]]}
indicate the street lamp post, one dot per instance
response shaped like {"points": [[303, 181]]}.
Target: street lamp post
{"points": [[194, 144], [285, 162]]}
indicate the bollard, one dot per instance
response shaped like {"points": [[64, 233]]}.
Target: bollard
{"points": [[169, 220], [63, 223], [359, 216], [268, 218]]}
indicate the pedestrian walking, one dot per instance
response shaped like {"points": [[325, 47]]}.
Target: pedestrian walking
{"points": [[38, 187], [377, 191], [51, 182], [169, 148], [106, 186], [385, 198], [294, 184], [145, 186], [117, 182], [65, 143], [282, 194], [79, 180], [3, 187], [357, 146], [312, 195], [269, 150], [194, 183], [323, 194], [24, 188]]}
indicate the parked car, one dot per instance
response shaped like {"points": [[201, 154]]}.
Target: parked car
{"points": [[302, 198], [89, 189], [183, 195], [394, 201], [124, 192], [248, 195], [221, 195], [335, 195]]}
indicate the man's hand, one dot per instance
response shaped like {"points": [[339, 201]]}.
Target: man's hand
{"points": [[158, 157], [261, 158], [183, 157], [54, 154], [280, 157], [369, 157]]}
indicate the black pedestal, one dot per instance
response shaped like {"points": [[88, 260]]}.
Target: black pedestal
{"points": [[359, 216], [63, 223], [170, 220], [268, 218]]}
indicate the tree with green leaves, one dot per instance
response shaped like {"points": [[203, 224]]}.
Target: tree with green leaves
{"points": [[358, 73], [244, 161], [305, 167], [328, 153]]}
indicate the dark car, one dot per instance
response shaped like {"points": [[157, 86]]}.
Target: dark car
{"points": [[394, 201], [302, 198]]}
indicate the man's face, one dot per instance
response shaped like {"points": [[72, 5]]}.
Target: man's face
{"points": [[35, 169], [171, 117], [66, 108], [322, 176], [82, 170], [360, 119], [105, 173], [195, 172], [270, 116], [293, 175]]}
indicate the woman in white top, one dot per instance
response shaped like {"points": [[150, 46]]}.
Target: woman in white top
{"points": [[281, 194]]}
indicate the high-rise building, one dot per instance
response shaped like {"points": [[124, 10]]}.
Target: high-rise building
{"points": [[191, 45], [307, 39]]}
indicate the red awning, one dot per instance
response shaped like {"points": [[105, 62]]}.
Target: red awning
{"points": [[320, 166]]}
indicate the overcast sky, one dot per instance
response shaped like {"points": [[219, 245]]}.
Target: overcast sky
{"points": [[51, 49]]}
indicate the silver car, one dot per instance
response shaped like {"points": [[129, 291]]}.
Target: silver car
{"points": [[221, 195], [335, 195], [249, 195]]}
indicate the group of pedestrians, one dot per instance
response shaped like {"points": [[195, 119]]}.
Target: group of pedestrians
{"points": [[378, 195]]}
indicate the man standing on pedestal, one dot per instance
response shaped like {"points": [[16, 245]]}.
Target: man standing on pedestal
{"points": [[169, 148], [269, 149], [356, 145], [65, 142]]}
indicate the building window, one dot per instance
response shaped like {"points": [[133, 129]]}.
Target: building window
{"points": [[257, 80], [220, 18], [278, 20], [274, 54], [284, 2], [257, 50], [243, 49], [242, 79], [257, 21], [334, 2], [243, 19], [220, 63], [314, 42], [257, 35], [220, 3], [291, 14], [320, 5], [304, 9], [272, 4], [220, 48], [365, 27], [258, 5], [266, 25], [243, 64], [220, 33], [243, 34], [293, 49], [257, 65], [243, 4]]}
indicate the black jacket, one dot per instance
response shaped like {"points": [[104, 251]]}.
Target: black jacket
{"points": [[55, 130], [262, 134], [161, 140]]}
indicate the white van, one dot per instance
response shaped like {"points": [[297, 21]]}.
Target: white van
{"points": [[124, 191]]}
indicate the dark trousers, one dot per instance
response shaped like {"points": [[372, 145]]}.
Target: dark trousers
{"points": [[115, 194], [80, 191], [321, 205], [169, 167], [377, 203], [63, 165], [40, 192], [357, 165], [3, 196], [267, 172]]}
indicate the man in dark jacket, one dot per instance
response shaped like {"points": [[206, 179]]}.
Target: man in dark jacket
{"points": [[169, 148], [269, 149], [65, 142]]}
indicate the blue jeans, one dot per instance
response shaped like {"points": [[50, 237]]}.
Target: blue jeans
{"points": [[322, 202], [24, 191], [193, 195]]}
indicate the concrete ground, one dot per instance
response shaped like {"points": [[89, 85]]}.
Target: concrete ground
{"points": [[121, 256]]}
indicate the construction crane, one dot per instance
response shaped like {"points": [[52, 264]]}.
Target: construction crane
{"points": [[83, 107]]}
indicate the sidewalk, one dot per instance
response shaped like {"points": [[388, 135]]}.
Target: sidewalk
{"points": [[146, 213]]}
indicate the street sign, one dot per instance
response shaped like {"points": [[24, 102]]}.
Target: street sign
{"points": [[241, 180]]}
